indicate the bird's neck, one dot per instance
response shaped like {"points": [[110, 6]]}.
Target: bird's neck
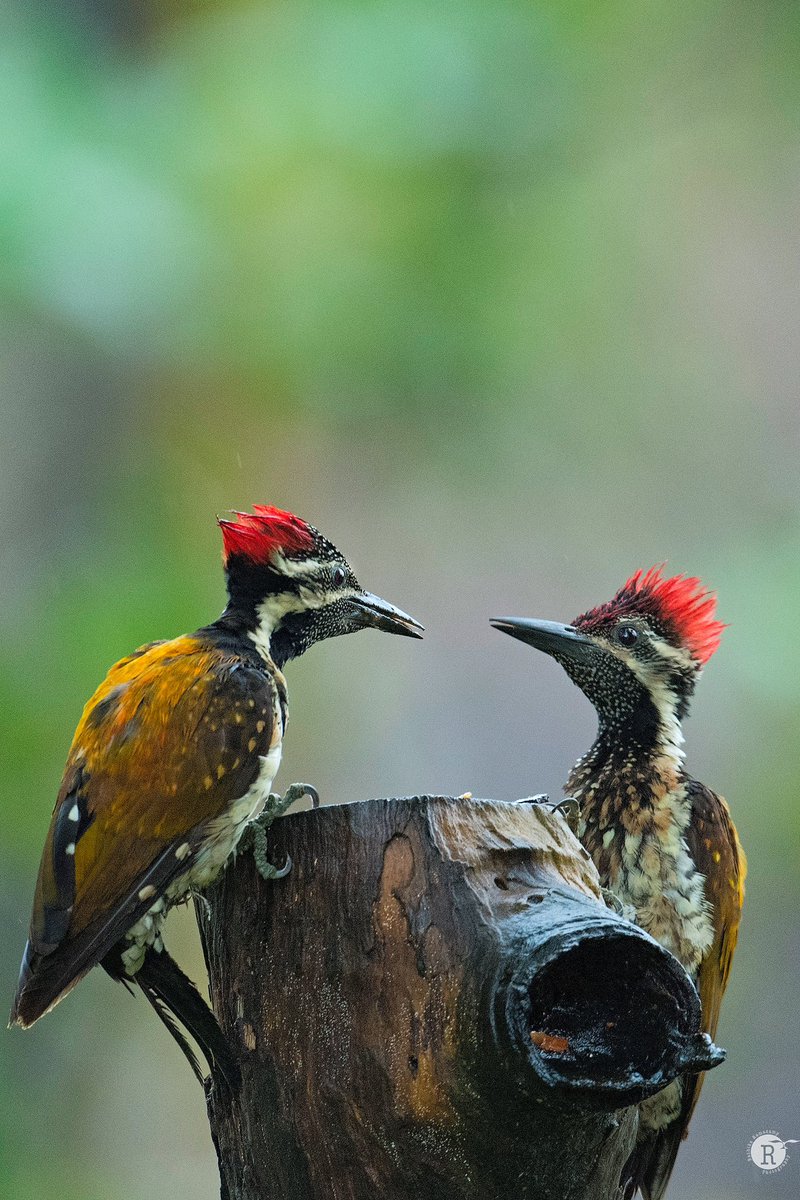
{"points": [[246, 634], [266, 628], [265, 608], [613, 768], [635, 813], [632, 758], [663, 743], [646, 734]]}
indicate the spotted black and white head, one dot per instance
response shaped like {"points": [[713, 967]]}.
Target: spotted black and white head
{"points": [[637, 657], [289, 587]]}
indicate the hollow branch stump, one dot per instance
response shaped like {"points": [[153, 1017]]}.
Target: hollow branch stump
{"points": [[436, 1004]]}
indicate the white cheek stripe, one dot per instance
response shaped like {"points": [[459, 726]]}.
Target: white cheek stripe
{"points": [[664, 700], [303, 567], [292, 567], [682, 657], [661, 695], [272, 611]]}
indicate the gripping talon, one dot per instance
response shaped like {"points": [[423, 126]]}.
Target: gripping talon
{"points": [[255, 836], [613, 901], [570, 810], [277, 805], [282, 872], [267, 870], [309, 791]]}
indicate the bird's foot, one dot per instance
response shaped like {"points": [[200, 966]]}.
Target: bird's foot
{"points": [[570, 810], [255, 836], [612, 901], [277, 805], [622, 910], [221, 1084]]}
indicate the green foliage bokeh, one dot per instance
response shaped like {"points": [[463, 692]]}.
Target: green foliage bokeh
{"points": [[503, 296]]}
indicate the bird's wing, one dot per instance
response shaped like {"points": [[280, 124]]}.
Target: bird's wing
{"points": [[170, 739], [714, 845], [715, 848]]}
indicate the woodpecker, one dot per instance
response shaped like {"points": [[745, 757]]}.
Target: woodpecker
{"points": [[663, 843], [173, 758]]}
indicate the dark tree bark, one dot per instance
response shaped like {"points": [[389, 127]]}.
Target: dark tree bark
{"points": [[436, 1004]]}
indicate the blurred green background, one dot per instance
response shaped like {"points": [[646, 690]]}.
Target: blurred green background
{"points": [[503, 296]]}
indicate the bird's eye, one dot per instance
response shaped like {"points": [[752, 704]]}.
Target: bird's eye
{"points": [[627, 635], [339, 576]]}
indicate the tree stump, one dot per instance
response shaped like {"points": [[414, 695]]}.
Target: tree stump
{"points": [[436, 1004]]}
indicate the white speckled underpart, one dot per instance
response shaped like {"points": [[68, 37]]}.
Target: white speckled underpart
{"points": [[659, 879], [636, 810]]}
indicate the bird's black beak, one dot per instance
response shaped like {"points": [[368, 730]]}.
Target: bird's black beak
{"points": [[372, 612], [562, 641]]}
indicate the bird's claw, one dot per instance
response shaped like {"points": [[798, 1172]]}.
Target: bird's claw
{"points": [[295, 791], [267, 870], [613, 901], [221, 1084], [255, 836], [570, 810]]}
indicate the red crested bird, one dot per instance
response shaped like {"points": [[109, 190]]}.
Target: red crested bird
{"points": [[663, 843], [172, 760]]}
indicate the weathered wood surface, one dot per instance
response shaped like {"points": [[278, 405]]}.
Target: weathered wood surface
{"points": [[382, 999]]}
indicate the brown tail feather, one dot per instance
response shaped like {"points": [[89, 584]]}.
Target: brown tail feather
{"points": [[175, 998], [41, 986], [45, 978], [650, 1166]]}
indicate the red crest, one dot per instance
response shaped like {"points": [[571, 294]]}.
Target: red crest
{"points": [[681, 605], [264, 532]]}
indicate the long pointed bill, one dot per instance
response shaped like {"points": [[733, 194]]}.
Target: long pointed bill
{"points": [[372, 612], [562, 641]]}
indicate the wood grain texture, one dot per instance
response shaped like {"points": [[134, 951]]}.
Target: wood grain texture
{"points": [[382, 999]]}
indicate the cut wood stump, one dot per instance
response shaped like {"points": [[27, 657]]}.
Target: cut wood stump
{"points": [[436, 1004]]}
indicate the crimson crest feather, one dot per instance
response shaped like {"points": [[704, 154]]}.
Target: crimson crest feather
{"points": [[680, 604], [264, 532]]}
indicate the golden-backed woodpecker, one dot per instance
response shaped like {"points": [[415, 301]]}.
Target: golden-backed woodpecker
{"points": [[172, 761]]}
